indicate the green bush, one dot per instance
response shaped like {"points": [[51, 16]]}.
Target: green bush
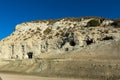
{"points": [[116, 23], [93, 23]]}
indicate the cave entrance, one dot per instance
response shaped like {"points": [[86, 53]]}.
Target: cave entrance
{"points": [[108, 38], [89, 41], [72, 43], [30, 55]]}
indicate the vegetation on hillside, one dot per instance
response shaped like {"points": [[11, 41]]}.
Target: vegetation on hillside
{"points": [[47, 31], [93, 23], [116, 23]]}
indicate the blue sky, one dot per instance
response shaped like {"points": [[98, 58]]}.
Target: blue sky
{"points": [[13, 12]]}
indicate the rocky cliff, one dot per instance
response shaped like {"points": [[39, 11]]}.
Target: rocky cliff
{"points": [[31, 39]]}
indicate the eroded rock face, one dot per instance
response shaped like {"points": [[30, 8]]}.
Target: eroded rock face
{"points": [[56, 36]]}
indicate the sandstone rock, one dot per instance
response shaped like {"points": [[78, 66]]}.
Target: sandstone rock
{"points": [[56, 36]]}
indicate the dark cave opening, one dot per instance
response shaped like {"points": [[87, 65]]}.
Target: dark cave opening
{"points": [[30, 55], [72, 43], [108, 38], [66, 49], [89, 41]]}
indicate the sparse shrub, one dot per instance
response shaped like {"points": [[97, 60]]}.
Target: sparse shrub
{"points": [[37, 32], [51, 22], [38, 29], [50, 37], [32, 30], [93, 23], [72, 19], [58, 28], [116, 23], [61, 32], [57, 34], [47, 31]]}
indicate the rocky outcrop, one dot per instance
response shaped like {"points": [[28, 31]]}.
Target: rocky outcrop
{"points": [[31, 39]]}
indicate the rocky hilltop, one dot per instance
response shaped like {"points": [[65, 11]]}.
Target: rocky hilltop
{"points": [[61, 36]]}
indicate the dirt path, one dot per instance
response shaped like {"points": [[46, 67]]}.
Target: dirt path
{"points": [[6, 76]]}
